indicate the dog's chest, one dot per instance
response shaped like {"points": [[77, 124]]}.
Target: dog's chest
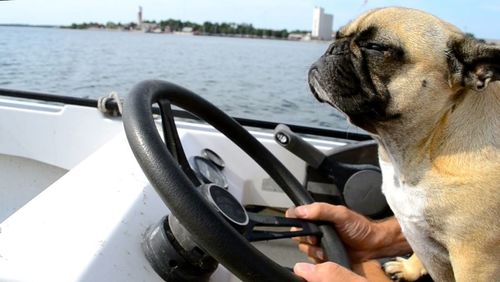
{"points": [[408, 204], [406, 201]]}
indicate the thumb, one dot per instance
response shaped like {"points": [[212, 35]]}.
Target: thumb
{"points": [[327, 271], [321, 211], [305, 270]]}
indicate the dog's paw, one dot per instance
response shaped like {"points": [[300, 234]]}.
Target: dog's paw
{"points": [[404, 269]]}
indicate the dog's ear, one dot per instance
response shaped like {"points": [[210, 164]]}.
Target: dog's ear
{"points": [[473, 64]]}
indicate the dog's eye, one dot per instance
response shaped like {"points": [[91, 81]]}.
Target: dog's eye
{"points": [[376, 47]]}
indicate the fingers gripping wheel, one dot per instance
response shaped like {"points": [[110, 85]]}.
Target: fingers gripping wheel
{"points": [[164, 164]]}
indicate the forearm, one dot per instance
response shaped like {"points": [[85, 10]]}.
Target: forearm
{"points": [[391, 240]]}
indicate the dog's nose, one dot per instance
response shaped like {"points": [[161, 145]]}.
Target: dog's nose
{"points": [[338, 47], [314, 67]]}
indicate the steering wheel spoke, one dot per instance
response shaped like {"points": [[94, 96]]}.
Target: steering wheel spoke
{"points": [[172, 140], [305, 228]]}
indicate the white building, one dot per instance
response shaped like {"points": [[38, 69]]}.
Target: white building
{"points": [[322, 25]]}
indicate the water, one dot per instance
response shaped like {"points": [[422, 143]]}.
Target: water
{"points": [[251, 78]]}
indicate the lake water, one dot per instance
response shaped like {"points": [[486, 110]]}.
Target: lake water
{"points": [[251, 78]]}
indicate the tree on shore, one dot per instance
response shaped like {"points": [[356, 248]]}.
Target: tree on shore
{"points": [[207, 28]]}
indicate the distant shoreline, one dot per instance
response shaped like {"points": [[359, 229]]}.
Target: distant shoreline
{"points": [[31, 25], [494, 41], [165, 33]]}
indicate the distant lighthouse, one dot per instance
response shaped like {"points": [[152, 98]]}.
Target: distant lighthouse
{"points": [[139, 17]]}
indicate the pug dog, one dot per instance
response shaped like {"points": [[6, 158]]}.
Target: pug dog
{"points": [[430, 96]]}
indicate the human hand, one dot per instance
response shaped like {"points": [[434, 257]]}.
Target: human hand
{"points": [[364, 239], [329, 271], [326, 272]]}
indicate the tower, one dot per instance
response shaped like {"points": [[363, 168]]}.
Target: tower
{"points": [[139, 17], [322, 24]]}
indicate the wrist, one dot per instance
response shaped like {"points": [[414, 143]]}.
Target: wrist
{"points": [[390, 239]]}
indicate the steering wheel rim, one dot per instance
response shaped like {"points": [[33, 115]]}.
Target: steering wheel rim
{"points": [[174, 187]]}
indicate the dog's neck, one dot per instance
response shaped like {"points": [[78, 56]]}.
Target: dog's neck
{"points": [[451, 142]]}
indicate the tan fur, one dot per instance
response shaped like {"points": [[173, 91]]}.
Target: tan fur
{"points": [[447, 142]]}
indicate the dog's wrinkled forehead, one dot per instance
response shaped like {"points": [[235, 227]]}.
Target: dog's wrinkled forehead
{"points": [[413, 30]]}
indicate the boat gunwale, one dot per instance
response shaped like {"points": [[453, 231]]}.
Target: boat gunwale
{"points": [[111, 104]]}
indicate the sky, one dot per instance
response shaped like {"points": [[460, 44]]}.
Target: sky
{"points": [[480, 17]]}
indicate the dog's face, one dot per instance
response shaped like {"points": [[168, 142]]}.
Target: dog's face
{"points": [[395, 64]]}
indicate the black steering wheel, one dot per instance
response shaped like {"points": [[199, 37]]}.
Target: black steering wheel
{"points": [[166, 167]]}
